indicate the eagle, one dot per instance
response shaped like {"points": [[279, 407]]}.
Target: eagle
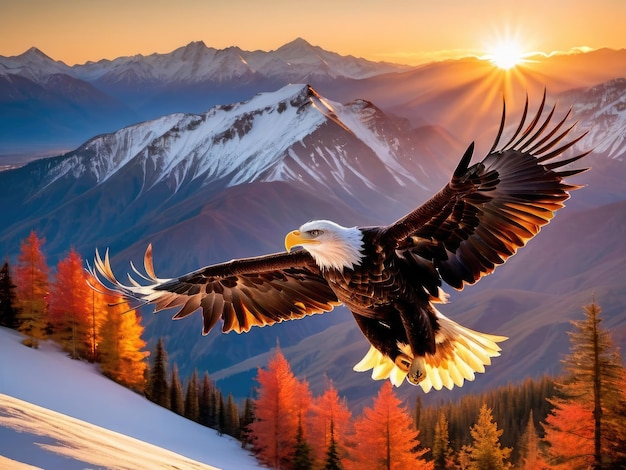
{"points": [[390, 277]]}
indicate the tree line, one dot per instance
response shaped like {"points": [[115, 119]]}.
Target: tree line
{"points": [[574, 421], [95, 326]]}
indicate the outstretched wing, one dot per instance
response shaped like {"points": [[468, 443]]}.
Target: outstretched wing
{"points": [[243, 293], [494, 207]]}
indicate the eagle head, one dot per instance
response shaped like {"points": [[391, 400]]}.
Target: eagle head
{"points": [[331, 245]]}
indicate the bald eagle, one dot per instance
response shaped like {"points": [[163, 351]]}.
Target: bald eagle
{"points": [[390, 276]]}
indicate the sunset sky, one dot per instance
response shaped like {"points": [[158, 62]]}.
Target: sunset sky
{"points": [[403, 31]]}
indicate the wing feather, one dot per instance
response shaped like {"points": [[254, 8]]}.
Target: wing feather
{"points": [[491, 209], [243, 293]]}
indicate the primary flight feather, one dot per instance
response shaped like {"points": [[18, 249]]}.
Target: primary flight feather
{"points": [[390, 277]]}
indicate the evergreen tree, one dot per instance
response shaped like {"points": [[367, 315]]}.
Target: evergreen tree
{"points": [[232, 417], [206, 397], [120, 350], [247, 418], [594, 380], [31, 280], [332, 462], [177, 402], [221, 413], [302, 459], [385, 436], [8, 298], [443, 455], [486, 453], [192, 398], [158, 389], [528, 448]]}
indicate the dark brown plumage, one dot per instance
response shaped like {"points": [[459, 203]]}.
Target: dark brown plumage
{"points": [[390, 276]]}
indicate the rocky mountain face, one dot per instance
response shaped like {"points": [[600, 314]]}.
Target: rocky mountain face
{"points": [[231, 181]]}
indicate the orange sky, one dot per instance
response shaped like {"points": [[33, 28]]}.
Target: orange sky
{"points": [[403, 31]]}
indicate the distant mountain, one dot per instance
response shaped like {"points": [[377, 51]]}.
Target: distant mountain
{"points": [[231, 181], [40, 113], [43, 101]]}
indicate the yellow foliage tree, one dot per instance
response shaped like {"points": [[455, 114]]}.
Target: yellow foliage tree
{"points": [[121, 347]]}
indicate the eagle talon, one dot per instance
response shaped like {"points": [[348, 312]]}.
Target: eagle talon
{"points": [[417, 371]]}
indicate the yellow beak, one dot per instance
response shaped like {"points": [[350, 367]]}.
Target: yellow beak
{"points": [[294, 238]]}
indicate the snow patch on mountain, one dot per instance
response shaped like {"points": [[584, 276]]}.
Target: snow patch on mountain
{"points": [[602, 111]]}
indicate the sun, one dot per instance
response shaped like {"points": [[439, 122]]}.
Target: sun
{"points": [[506, 55]]}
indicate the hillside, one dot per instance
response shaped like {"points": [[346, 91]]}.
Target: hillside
{"points": [[60, 413]]}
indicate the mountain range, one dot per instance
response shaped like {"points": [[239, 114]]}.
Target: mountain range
{"points": [[47, 107], [232, 180], [46, 104]]}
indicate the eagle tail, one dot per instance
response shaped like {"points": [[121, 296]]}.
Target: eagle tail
{"points": [[461, 352]]}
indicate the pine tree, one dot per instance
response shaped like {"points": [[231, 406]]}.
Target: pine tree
{"points": [[528, 447], [247, 418], [443, 455], [385, 436], [332, 462], [192, 398], [31, 280], [569, 433], [594, 380], [232, 417], [158, 389], [275, 428], [69, 312], [302, 459], [485, 452], [221, 413], [177, 402], [8, 298], [206, 397], [120, 350]]}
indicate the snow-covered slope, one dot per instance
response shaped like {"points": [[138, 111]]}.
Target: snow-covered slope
{"points": [[56, 413]]}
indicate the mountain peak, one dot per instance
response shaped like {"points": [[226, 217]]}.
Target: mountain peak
{"points": [[35, 53]]}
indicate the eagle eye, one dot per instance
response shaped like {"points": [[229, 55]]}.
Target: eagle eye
{"points": [[314, 233]]}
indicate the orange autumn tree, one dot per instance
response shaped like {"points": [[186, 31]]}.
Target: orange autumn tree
{"points": [[31, 281], [329, 411], [121, 348], [385, 436], [70, 312], [277, 411], [593, 390], [569, 430]]}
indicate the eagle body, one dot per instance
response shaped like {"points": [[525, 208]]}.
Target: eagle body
{"points": [[391, 276]]}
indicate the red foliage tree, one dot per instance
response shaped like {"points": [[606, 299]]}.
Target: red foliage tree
{"points": [[70, 311], [329, 410], [31, 281], [385, 436], [277, 409], [569, 432]]}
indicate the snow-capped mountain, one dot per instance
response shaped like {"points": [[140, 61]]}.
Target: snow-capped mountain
{"points": [[47, 103], [350, 152], [603, 109], [195, 62]]}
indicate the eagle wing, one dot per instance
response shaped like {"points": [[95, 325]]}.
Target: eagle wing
{"points": [[489, 210], [243, 293]]}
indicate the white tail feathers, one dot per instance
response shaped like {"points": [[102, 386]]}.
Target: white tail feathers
{"points": [[460, 353]]}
